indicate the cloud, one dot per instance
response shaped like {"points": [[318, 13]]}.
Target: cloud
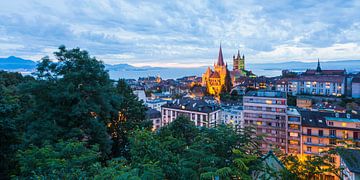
{"points": [[177, 33]]}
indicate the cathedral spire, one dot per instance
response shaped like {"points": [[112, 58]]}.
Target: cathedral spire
{"points": [[238, 55], [318, 68], [220, 58]]}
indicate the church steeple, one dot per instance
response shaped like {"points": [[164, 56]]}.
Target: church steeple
{"points": [[220, 61], [238, 55], [318, 68]]}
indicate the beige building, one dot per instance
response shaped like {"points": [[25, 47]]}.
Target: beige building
{"points": [[266, 110]]}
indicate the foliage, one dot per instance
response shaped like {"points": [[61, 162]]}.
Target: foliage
{"points": [[62, 160], [184, 151], [291, 100], [310, 167]]}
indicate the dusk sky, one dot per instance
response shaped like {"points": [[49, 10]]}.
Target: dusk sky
{"points": [[182, 33]]}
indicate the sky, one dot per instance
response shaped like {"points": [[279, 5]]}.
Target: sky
{"points": [[183, 33]]}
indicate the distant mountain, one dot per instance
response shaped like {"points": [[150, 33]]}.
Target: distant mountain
{"points": [[12, 63], [349, 65], [127, 67], [128, 71]]}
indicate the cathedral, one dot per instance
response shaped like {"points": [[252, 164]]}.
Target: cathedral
{"points": [[219, 80]]}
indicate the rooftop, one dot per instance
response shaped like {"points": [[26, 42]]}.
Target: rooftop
{"points": [[267, 93], [318, 119], [292, 112], [192, 105], [351, 158], [342, 119], [152, 113]]}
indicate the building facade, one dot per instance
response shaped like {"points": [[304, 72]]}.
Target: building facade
{"points": [[155, 104], [200, 112], [315, 82], [218, 80], [267, 112], [355, 87], [232, 115], [239, 62]]}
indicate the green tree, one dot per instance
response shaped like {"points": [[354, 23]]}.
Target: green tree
{"points": [[63, 160], [130, 116], [311, 167], [72, 98]]}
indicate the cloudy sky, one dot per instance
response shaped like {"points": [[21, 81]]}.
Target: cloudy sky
{"points": [[182, 33]]}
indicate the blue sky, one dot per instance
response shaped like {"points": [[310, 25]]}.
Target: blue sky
{"points": [[182, 33]]}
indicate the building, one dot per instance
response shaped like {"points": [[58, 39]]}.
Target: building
{"points": [[349, 163], [315, 82], [218, 80], [232, 115], [266, 110], [355, 87], [323, 130], [294, 131], [141, 95], [154, 116], [201, 113], [155, 104], [303, 102], [239, 62]]}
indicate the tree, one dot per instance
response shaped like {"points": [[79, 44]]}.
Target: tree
{"points": [[12, 103], [310, 167], [130, 116], [72, 98], [63, 160]]}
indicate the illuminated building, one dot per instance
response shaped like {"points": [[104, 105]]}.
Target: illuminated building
{"points": [[267, 111], [219, 80], [201, 113], [315, 82]]}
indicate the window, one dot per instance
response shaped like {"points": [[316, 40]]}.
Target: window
{"points": [[332, 132], [332, 141], [308, 149], [321, 133], [292, 134], [331, 123], [356, 135], [308, 139], [309, 132]]}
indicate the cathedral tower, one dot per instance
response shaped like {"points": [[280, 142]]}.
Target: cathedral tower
{"points": [[239, 62]]}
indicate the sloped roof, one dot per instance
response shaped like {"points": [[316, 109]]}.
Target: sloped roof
{"points": [[220, 61], [351, 158]]}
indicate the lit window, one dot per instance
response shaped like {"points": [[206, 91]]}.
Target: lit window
{"points": [[293, 134], [343, 124], [259, 123]]}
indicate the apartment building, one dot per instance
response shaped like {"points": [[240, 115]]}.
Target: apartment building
{"points": [[232, 115], [267, 112], [294, 131], [203, 114], [322, 131]]}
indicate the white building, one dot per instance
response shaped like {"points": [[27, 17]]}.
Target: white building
{"points": [[154, 116], [141, 95], [232, 115], [202, 113], [155, 104], [355, 87], [315, 82]]}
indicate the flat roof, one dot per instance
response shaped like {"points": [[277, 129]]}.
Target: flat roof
{"points": [[266, 93]]}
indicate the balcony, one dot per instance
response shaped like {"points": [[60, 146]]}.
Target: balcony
{"points": [[315, 144]]}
